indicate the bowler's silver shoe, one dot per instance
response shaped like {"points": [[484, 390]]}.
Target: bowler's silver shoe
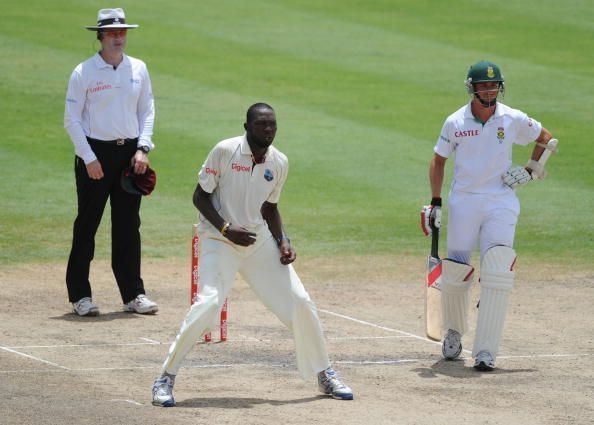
{"points": [[484, 361], [163, 391], [452, 345], [329, 383]]}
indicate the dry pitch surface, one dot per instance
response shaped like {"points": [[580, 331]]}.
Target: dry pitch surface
{"points": [[57, 368]]}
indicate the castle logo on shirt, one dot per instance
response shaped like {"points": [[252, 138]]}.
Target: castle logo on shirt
{"points": [[500, 134], [466, 133], [268, 175]]}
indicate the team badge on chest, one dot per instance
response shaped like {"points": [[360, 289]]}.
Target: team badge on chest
{"points": [[500, 134], [268, 175]]}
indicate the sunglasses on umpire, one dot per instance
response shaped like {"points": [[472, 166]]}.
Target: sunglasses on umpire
{"points": [[115, 33]]}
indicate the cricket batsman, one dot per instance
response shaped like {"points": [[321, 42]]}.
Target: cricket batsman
{"points": [[241, 230], [482, 205]]}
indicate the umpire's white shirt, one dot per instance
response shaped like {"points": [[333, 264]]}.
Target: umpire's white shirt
{"points": [[484, 152], [107, 104], [238, 186]]}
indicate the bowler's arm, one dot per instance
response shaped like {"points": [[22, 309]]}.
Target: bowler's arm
{"points": [[234, 233]]}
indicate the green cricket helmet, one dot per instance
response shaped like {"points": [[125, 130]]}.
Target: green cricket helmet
{"points": [[482, 72]]}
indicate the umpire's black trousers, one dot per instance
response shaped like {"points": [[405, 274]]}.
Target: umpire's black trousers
{"points": [[125, 222]]}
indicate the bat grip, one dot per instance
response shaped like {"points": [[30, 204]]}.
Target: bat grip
{"points": [[434, 241]]}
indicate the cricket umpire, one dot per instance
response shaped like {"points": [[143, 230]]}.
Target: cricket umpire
{"points": [[482, 206], [241, 231], [109, 117]]}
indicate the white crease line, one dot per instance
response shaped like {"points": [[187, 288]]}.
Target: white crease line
{"points": [[152, 341], [33, 357], [31, 371], [249, 338], [385, 328], [283, 365], [99, 369], [364, 362], [128, 401], [205, 366], [239, 341], [535, 356], [340, 338], [86, 345]]}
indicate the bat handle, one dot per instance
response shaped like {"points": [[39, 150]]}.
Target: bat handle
{"points": [[434, 241]]}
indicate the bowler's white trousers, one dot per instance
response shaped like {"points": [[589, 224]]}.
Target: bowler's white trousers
{"points": [[490, 218], [277, 286]]}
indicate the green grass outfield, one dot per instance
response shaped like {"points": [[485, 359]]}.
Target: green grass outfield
{"points": [[361, 90]]}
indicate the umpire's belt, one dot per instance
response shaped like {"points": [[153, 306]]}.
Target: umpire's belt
{"points": [[116, 142]]}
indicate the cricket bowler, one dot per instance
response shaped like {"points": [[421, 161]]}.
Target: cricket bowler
{"points": [[239, 187], [482, 206]]}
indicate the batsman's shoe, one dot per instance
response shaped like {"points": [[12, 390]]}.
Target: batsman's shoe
{"points": [[329, 383], [141, 304], [452, 345], [85, 307], [484, 361], [163, 391]]}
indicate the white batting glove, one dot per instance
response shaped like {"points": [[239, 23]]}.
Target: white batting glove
{"points": [[516, 176], [538, 172], [430, 214]]}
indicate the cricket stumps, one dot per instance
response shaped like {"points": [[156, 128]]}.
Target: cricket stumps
{"points": [[195, 285]]}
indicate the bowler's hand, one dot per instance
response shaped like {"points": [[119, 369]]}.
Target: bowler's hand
{"points": [[94, 170], [288, 254], [140, 162], [240, 235]]}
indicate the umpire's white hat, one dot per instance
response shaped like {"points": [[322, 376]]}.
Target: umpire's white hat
{"points": [[111, 19]]}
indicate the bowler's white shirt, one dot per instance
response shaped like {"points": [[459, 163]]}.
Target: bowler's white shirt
{"points": [[107, 104], [238, 186], [484, 152]]}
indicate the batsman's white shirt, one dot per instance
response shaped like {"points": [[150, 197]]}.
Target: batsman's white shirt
{"points": [[483, 153], [107, 104], [480, 204], [239, 187]]}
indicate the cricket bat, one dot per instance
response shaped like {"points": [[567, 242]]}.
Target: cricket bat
{"points": [[433, 290], [537, 167], [550, 148]]}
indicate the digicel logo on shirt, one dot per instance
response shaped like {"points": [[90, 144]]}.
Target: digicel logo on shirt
{"points": [[239, 168], [466, 133]]}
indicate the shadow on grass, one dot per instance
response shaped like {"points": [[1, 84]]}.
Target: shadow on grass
{"points": [[457, 369], [243, 403]]}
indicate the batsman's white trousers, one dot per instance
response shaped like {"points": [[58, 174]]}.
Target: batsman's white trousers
{"points": [[472, 216], [277, 286]]}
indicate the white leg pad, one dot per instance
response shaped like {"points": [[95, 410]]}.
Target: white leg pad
{"points": [[456, 281], [497, 281]]}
